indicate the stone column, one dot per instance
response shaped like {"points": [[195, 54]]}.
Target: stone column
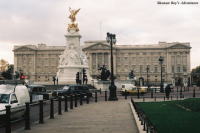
{"points": [[96, 62], [188, 62], [15, 62], [90, 64]]}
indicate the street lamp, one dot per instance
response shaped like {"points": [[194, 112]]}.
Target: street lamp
{"points": [[112, 40], [148, 76], [161, 59]]}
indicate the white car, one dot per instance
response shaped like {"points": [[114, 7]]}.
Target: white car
{"points": [[16, 96]]}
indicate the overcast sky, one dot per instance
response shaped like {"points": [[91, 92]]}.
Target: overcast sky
{"points": [[133, 21]]}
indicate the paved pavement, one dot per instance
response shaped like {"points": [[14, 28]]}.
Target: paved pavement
{"points": [[101, 117]]}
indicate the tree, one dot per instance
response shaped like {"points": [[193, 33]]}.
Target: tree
{"points": [[195, 75], [8, 73]]}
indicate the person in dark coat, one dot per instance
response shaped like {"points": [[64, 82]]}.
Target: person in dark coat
{"points": [[57, 80], [54, 80], [167, 90]]}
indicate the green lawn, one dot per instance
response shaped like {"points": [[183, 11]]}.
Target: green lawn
{"points": [[174, 116]]}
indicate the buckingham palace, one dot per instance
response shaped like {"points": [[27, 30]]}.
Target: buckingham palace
{"points": [[40, 62]]}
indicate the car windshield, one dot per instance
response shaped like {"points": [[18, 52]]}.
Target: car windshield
{"points": [[4, 98], [65, 87]]}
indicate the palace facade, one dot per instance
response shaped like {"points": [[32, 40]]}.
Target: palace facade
{"points": [[40, 62]]}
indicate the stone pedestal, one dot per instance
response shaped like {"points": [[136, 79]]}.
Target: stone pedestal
{"points": [[72, 60], [104, 85]]}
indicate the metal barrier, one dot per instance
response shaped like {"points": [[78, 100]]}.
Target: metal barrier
{"points": [[66, 104], [147, 125], [27, 117], [71, 101], [59, 106], [52, 109], [41, 119], [75, 100]]}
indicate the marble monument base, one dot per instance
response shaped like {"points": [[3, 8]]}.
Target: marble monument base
{"points": [[67, 74], [103, 85]]}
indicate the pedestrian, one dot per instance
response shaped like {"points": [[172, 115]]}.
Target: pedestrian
{"points": [[167, 90], [54, 80], [57, 80], [86, 80]]}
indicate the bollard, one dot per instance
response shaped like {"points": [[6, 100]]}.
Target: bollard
{"points": [[105, 95], [88, 99], [59, 106], [100, 90], [151, 93], [41, 119], [144, 128], [164, 98], [27, 117], [66, 104], [81, 99], [8, 123], [52, 109], [155, 98], [75, 102], [181, 92], [71, 101], [95, 96], [194, 95], [147, 129], [125, 94], [138, 93], [171, 97], [177, 97]]}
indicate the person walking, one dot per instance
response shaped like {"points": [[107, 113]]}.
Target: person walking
{"points": [[167, 90], [57, 80], [54, 80]]}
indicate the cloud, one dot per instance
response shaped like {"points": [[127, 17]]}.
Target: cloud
{"points": [[134, 22]]}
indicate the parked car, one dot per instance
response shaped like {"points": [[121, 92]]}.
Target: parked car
{"points": [[39, 92], [72, 89], [16, 96], [155, 88], [143, 89], [91, 88], [129, 88]]}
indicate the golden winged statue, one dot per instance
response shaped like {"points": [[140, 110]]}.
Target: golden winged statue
{"points": [[72, 16]]}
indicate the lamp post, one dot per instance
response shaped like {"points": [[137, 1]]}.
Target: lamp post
{"points": [[161, 59], [112, 40], [148, 76]]}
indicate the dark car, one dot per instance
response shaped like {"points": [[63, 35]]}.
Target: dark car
{"points": [[72, 89], [91, 88], [39, 90]]}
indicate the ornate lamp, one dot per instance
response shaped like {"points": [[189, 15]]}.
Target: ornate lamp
{"points": [[112, 40]]}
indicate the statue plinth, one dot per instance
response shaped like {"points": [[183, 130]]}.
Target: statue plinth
{"points": [[72, 60], [104, 85]]}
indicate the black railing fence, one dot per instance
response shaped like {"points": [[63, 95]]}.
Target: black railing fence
{"points": [[45, 108], [48, 108], [147, 124]]}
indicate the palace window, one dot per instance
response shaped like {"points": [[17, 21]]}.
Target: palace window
{"points": [[184, 68], [178, 69], [172, 69], [156, 69]]}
